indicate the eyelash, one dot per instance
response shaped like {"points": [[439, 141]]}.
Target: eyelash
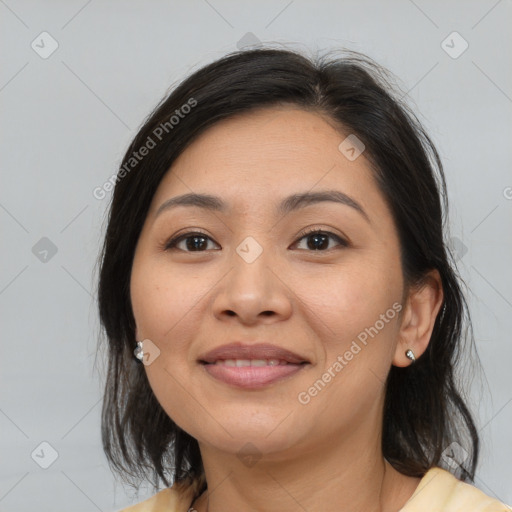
{"points": [[171, 244]]}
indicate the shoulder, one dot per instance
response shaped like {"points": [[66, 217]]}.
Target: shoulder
{"points": [[439, 490], [177, 498]]}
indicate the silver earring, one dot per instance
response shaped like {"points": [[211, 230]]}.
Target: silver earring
{"points": [[410, 355], [139, 352]]}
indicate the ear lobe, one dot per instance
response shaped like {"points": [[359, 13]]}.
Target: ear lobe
{"points": [[420, 312]]}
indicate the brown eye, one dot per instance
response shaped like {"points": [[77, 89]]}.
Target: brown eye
{"points": [[189, 242], [318, 240]]}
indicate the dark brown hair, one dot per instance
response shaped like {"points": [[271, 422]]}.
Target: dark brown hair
{"points": [[424, 411]]}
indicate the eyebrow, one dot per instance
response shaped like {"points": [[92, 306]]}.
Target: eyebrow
{"points": [[287, 205]]}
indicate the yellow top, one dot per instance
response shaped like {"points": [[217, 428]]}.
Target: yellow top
{"points": [[438, 491]]}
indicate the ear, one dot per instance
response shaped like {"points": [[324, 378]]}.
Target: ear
{"points": [[420, 312]]}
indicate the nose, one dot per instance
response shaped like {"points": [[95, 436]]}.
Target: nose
{"points": [[253, 292]]}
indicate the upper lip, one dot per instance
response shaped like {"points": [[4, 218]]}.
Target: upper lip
{"points": [[238, 350]]}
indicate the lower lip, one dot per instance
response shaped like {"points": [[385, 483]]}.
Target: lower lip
{"points": [[252, 377]]}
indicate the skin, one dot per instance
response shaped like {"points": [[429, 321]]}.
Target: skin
{"points": [[326, 454]]}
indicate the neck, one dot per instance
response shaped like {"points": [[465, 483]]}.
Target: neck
{"points": [[349, 476]]}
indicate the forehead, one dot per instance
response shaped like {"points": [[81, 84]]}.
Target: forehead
{"points": [[266, 154]]}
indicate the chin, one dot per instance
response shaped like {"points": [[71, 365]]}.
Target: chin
{"points": [[266, 433], [250, 444]]}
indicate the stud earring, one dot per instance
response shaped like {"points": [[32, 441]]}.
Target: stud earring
{"points": [[139, 352], [410, 355]]}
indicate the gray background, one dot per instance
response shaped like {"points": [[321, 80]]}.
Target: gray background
{"points": [[68, 118]]}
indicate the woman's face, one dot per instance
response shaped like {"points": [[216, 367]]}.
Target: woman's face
{"points": [[249, 274]]}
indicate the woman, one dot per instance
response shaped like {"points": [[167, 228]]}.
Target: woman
{"points": [[275, 259]]}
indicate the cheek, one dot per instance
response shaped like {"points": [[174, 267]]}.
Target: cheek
{"points": [[356, 315], [351, 298], [163, 305], [162, 299], [357, 326]]}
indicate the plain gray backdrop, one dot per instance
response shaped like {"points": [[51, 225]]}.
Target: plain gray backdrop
{"points": [[77, 79]]}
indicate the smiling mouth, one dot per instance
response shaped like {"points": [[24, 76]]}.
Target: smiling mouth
{"points": [[240, 363], [252, 373]]}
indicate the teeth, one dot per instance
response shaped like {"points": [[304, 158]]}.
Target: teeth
{"points": [[250, 362]]}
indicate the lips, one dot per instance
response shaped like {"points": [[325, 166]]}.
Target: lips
{"points": [[251, 366], [260, 351]]}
